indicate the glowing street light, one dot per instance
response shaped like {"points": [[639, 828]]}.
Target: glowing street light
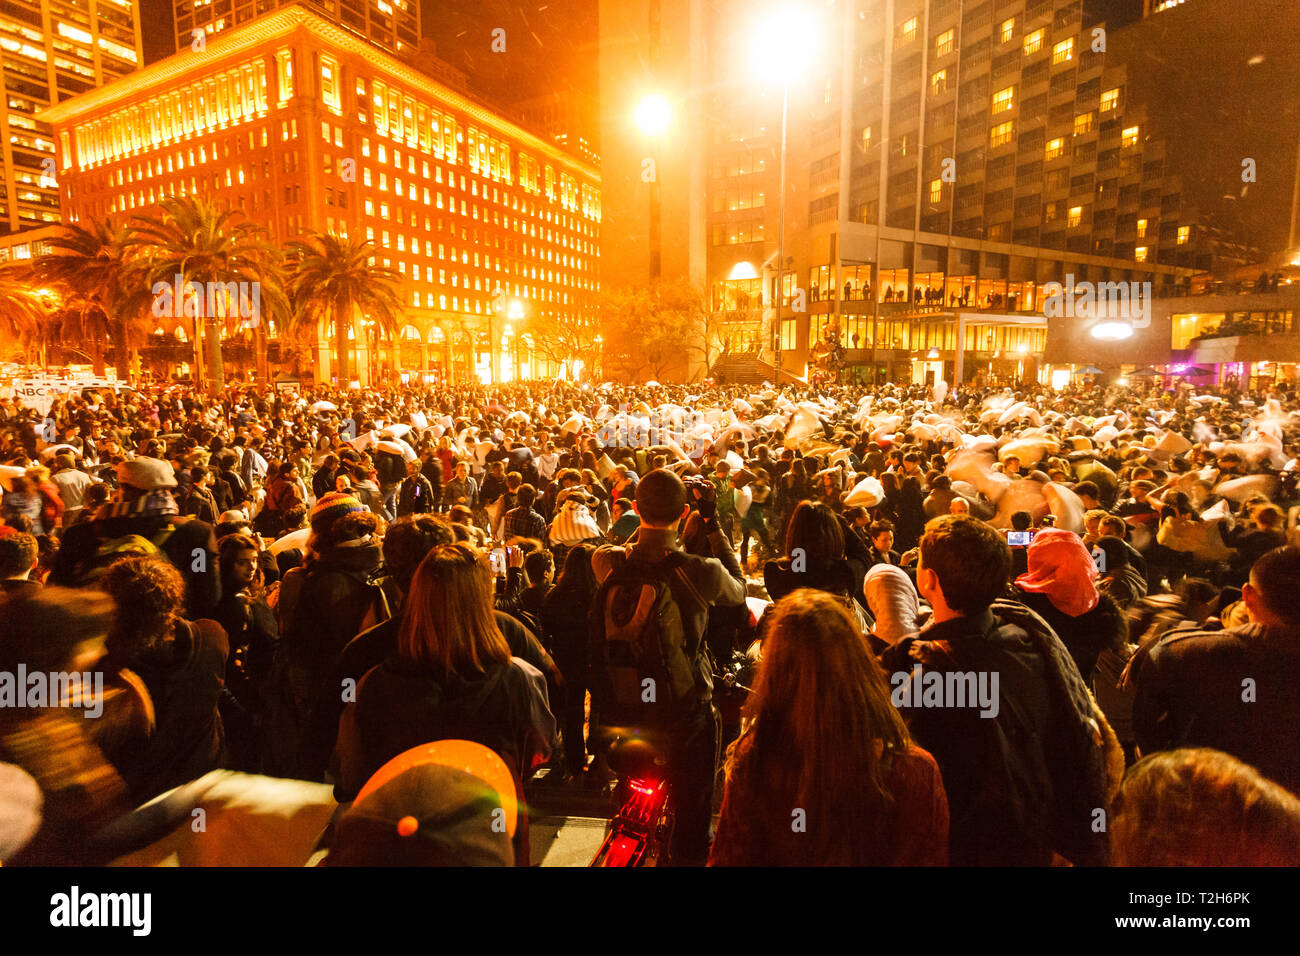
{"points": [[653, 115], [785, 42]]}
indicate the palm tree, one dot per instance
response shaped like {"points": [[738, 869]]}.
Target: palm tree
{"points": [[24, 314], [334, 280], [104, 293], [196, 244]]}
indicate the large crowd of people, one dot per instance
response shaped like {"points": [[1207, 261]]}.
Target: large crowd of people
{"points": [[981, 626]]}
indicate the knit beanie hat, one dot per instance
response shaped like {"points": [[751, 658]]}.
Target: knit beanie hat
{"points": [[330, 508]]}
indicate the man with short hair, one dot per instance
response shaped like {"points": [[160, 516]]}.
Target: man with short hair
{"points": [[1090, 495], [72, 483], [415, 493], [1021, 778], [1237, 689], [882, 544], [697, 584], [19, 554], [522, 521], [462, 489]]}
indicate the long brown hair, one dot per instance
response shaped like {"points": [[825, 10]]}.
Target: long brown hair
{"points": [[824, 733], [448, 623]]}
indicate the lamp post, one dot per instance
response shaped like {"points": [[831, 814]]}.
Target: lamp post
{"points": [[785, 43], [498, 307], [652, 116], [599, 342]]}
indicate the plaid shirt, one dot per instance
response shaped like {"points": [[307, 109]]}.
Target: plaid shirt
{"points": [[525, 523]]}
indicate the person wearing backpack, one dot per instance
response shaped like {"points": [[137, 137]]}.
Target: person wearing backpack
{"points": [[1026, 755], [322, 606], [390, 469], [665, 647], [144, 519]]}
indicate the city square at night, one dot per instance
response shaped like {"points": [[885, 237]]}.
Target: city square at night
{"points": [[650, 433]]}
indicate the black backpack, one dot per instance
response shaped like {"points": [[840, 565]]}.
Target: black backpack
{"points": [[640, 671]]}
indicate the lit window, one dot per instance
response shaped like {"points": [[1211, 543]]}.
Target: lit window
{"points": [[1184, 233], [1034, 42], [909, 29], [1083, 123], [1140, 253], [1063, 52], [1130, 137], [1007, 30], [939, 82], [329, 84], [284, 74], [1142, 228], [1002, 99], [1055, 147], [1109, 100], [936, 191], [943, 43], [1001, 134], [1075, 217]]}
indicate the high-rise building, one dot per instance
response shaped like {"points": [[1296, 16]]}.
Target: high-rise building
{"points": [[565, 118], [53, 50], [304, 126], [944, 161], [391, 24]]}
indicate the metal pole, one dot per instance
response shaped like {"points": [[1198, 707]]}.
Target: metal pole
{"points": [[656, 231], [780, 249]]}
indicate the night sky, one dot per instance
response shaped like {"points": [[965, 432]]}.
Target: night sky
{"points": [[550, 46]]}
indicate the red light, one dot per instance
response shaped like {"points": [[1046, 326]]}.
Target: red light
{"points": [[622, 852], [642, 788]]}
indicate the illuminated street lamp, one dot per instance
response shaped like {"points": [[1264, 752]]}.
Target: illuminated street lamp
{"points": [[784, 45], [652, 116]]}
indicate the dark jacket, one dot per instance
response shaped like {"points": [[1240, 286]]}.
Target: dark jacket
{"points": [[401, 705], [717, 581], [371, 648], [1022, 783], [320, 610], [1086, 636], [323, 607], [1235, 690], [834, 577], [201, 505], [191, 547], [415, 496], [185, 678]]}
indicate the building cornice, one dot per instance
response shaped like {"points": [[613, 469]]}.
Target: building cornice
{"points": [[284, 24]]}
